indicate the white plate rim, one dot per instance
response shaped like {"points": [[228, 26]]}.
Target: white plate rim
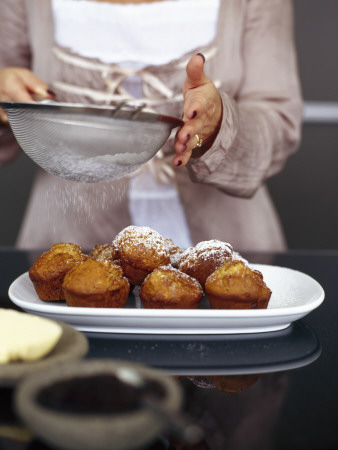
{"points": [[284, 315]]}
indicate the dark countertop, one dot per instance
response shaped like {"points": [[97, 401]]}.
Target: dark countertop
{"points": [[292, 401]]}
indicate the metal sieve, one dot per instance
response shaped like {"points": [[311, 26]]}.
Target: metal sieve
{"points": [[88, 143]]}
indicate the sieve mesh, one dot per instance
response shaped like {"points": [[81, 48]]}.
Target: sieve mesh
{"points": [[86, 143]]}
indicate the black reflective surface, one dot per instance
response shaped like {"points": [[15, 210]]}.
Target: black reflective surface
{"points": [[293, 347], [270, 391]]}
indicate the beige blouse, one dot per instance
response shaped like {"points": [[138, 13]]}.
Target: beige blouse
{"points": [[253, 61]]}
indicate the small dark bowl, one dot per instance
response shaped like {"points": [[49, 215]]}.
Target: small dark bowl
{"points": [[87, 404]]}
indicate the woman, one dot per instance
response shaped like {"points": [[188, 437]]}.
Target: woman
{"points": [[241, 106]]}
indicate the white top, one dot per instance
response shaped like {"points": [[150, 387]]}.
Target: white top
{"points": [[125, 31]]}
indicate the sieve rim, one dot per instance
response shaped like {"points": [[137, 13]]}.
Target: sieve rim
{"points": [[126, 111]]}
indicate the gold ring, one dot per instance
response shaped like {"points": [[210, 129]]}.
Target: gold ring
{"points": [[199, 141]]}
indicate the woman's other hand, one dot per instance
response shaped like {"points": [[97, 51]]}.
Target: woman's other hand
{"points": [[21, 85], [202, 112]]}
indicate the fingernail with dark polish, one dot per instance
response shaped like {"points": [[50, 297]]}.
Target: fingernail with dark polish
{"points": [[202, 56], [179, 163], [51, 93], [194, 114]]}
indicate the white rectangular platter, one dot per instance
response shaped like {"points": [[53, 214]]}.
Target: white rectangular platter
{"points": [[294, 295]]}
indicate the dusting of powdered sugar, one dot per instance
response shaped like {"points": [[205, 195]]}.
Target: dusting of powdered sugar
{"points": [[81, 202], [142, 237], [238, 257], [180, 274], [206, 250], [97, 169], [181, 277]]}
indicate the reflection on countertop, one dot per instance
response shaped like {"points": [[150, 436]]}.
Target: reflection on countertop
{"points": [[296, 346]]}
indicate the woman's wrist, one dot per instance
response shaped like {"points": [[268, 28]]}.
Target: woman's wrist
{"points": [[208, 141]]}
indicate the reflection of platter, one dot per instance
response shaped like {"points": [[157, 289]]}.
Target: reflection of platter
{"points": [[71, 346], [287, 349], [294, 295]]}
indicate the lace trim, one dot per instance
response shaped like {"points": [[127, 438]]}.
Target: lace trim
{"points": [[114, 77]]}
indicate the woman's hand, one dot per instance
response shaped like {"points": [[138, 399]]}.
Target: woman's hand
{"points": [[21, 85], [202, 113]]}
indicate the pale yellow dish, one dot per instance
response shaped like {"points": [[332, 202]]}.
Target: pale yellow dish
{"points": [[25, 337]]}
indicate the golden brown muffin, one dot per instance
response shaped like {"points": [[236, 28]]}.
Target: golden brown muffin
{"points": [[234, 285], [105, 252], [96, 284], [168, 288], [141, 250], [50, 268], [175, 252], [202, 260]]}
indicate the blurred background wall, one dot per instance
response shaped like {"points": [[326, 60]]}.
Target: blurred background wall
{"points": [[306, 192]]}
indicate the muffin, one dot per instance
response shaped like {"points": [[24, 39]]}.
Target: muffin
{"points": [[168, 288], [105, 252], [234, 285], [141, 250], [49, 269], [175, 252], [96, 284], [202, 260]]}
